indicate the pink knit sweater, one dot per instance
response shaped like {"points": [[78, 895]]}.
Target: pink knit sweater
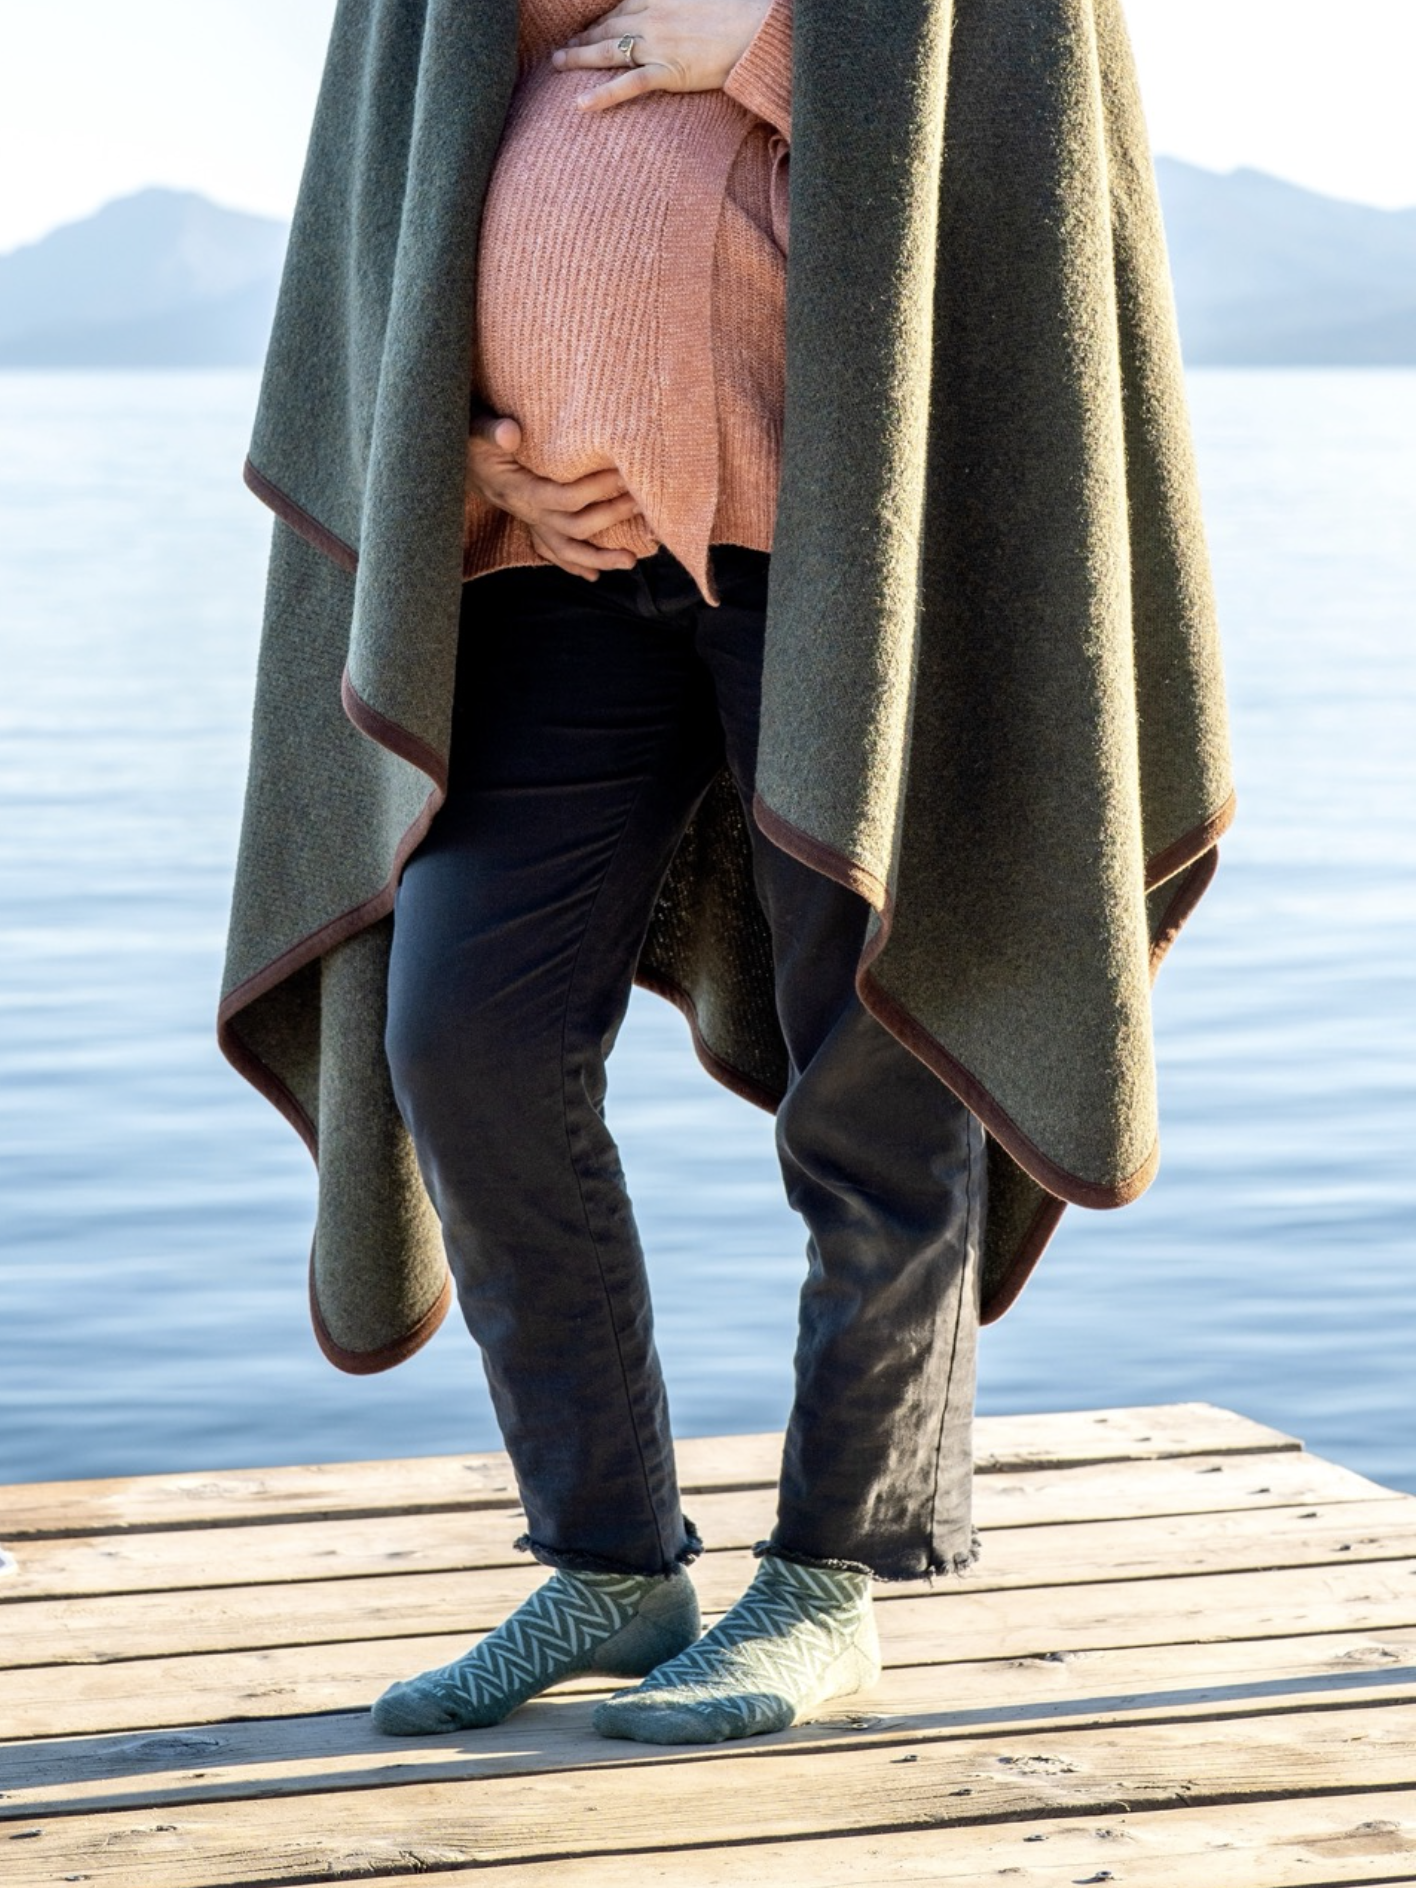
{"points": [[631, 294]]}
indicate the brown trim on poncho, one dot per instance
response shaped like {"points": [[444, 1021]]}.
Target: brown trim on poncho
{"points": [[1195, 850], [1198, 847], [300, 521], [369, 1363]]}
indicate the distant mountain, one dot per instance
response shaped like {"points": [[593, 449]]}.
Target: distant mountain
{"points": [[1266, 274], [165, 278]]}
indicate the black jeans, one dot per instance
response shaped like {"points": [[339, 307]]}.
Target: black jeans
{"points": [[590, 718]]}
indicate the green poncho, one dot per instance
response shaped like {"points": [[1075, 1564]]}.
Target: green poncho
{"points": [[992, 697]]}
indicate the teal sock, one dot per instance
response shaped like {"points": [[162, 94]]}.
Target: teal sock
{"points": [[798, 1636], [617, 1623]]}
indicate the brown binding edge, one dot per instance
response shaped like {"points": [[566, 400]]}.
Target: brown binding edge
{"points": [[368, 1363], [1031, 1247], [1192, 887], [305, 950], [1185, 850], [1196, 848], [907, 1029], [304, 523], [721, 1071]]}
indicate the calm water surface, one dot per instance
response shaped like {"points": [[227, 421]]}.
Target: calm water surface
{"points": [[155, 1214]]}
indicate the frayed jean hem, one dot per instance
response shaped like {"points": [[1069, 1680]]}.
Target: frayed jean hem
{"points": [[957, 1564], [571, 1560]]}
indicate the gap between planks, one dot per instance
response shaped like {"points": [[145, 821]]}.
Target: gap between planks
{"points": [[1355, 1842], [1161, 1499], [432, 1484], [784, 1795], [1193, 1570], [1058, 1625], [914, 1705]]}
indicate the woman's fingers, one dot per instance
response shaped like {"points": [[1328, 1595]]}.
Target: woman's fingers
{"points": [[562, 517], [590, 489], [504, 481], [592, 519], [570, 531], [498, 430], [578, 551], [613, 25], [631, 85], [546, 505], [563, 562], [575, 556], [599, 49], [650, 75]]}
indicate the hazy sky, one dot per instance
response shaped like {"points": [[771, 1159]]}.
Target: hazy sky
{"points": [[99, 97]]}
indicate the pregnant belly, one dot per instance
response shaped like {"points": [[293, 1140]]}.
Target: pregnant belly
{"points": [[595, 275]]}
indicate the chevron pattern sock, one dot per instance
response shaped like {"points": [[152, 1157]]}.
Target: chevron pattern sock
{"points": [[620, 1624], [798, 1636]]}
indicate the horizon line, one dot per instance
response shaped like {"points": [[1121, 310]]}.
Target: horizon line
{"points": [[268, 216]]}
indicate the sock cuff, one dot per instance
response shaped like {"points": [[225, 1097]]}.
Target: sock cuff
{"points": [[769, 1550]]}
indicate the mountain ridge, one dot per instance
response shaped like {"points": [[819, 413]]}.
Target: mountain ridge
{"points": [[1267, 273], [159, 278]]}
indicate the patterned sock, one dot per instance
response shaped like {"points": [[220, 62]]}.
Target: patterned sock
{"points": [[798, 1636], [620, 1624]]}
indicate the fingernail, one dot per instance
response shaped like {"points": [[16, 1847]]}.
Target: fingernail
{"points": [[557, 58]]}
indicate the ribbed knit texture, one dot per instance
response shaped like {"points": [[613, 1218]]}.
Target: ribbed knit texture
{"points": [[798, 1636], [621, 1624], [631, 294]]}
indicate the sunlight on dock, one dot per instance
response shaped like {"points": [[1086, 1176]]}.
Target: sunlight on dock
{"points": [[1188, 1657]]}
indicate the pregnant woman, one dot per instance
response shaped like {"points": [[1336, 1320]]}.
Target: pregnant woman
{"points": [[827, 646], [631, 299]]}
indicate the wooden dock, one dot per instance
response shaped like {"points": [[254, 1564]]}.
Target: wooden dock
{"points": [[1188, 1657]]}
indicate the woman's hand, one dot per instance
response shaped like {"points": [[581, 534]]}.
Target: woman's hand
{"points": [[560, 517], [680, 46]]}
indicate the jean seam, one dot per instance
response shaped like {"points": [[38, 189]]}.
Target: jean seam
{"points": [[574, 1162], [970, 1137]]}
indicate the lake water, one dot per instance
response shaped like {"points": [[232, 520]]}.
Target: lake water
{"points": [[154, 1213]]}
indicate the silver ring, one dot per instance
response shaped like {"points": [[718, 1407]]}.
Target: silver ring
{"points": [[626, 47]]}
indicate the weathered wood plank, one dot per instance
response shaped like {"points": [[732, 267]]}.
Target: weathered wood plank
{"points": [[269, 1552], [431, 1484], [290, 1681], [281, 1757], [1352, 1841], [1208, 1547], [1115, 1491], [754, 1797]]}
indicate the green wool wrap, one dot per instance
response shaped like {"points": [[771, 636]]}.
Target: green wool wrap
{"points": [[992, 697]]}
